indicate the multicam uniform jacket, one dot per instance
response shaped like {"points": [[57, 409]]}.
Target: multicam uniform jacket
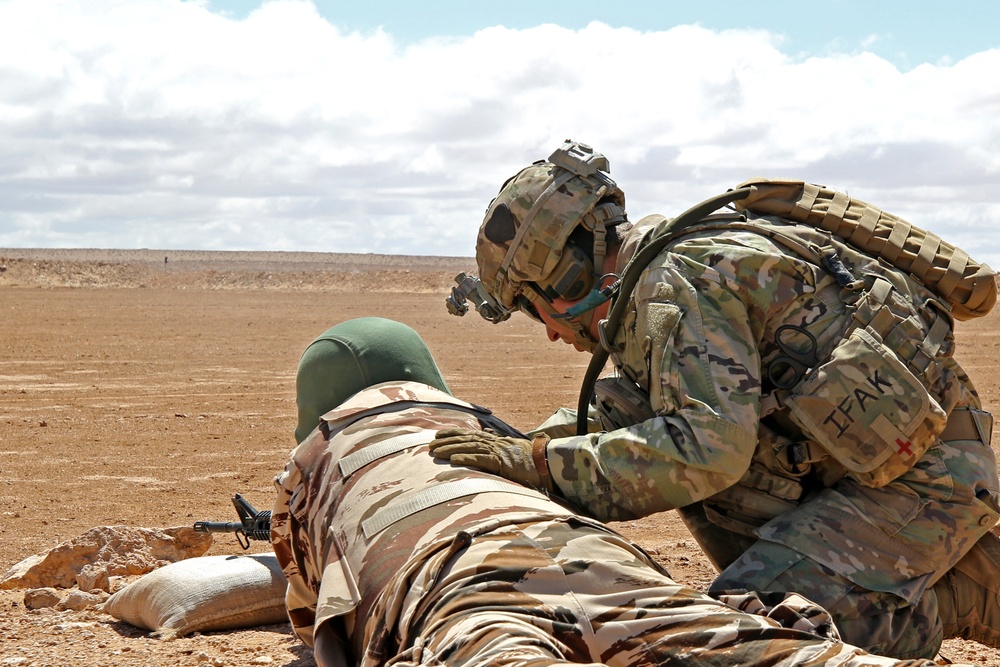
{"points": [[428, 563], [844, 464]]}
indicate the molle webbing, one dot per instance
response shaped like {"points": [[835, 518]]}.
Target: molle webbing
{"points": [[435, 495], [362, 457], [966, 285], [915, 343]]}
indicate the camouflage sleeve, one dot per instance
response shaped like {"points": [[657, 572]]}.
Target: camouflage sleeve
{"points": [[562, 423], [691, 336], [300, 595]]}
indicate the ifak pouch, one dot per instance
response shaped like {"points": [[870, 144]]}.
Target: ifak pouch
{"points": [[867, 410]]}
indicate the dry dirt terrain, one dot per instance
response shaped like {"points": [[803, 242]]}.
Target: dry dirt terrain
{"points": [[144, 392]]}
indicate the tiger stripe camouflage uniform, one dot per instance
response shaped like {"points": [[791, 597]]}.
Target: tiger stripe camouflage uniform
{"points": [[698, 337], [428, 563]]}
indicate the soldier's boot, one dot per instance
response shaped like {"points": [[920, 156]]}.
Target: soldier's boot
{"points": [[969, 594]]}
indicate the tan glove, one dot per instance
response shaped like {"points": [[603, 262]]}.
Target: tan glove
{"points": [[519, 460]]}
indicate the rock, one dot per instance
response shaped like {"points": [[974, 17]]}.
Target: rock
{"points": [[105, 551], [116, 583], [73, 625], [93, 576], [79, 600], [39, 598]]}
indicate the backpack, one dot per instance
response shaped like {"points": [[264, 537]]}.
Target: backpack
{"points": [[967, 286]]}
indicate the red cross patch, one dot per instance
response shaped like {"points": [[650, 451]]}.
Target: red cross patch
{"points": [[904, 447]]}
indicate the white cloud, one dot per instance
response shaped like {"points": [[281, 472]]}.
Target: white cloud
{"points": [[156, 123]]}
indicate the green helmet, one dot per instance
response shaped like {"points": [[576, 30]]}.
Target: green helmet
{"points": [[354, 355], [525, 236]]}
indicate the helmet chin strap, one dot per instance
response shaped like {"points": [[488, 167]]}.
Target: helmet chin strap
{"points": [[581, 327], [592, 300], [580, 316]]}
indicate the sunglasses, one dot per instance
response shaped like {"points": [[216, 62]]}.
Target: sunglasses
{"points": [[525, 305]]}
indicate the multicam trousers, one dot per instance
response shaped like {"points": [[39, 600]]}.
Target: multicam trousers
{"points": [[870, 556], [559, 592]]}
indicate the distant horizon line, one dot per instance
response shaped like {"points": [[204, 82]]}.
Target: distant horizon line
{"points": [[20, 252]]}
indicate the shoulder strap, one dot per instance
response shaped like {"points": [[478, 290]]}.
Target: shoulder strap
{"points": [[663, 235], [485, 416]]}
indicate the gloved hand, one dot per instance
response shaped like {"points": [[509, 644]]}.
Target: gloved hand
{"points": [[518, 460]]}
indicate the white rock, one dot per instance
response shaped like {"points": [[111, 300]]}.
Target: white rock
{"points": [[92, 558]]}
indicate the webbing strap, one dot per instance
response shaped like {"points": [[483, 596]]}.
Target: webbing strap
{"points": [[897, 242], [363, 457], [865, 231], [835, 213], [436, 495], [877, 318], [968, 424], [982, 295], [485, 417], [806, 202], [515, 243], [923, 263], [955, 272]]}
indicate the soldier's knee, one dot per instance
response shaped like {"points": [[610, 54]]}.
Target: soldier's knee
{"points": [[763, 567]]}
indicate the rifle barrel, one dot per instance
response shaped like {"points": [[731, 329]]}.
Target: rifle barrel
{"points": [[218, 526]]}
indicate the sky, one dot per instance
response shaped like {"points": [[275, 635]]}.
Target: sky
{"points": [[387, 126]]}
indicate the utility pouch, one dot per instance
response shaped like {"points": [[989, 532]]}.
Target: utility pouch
{"points": [[867, 410], [620, 402]]}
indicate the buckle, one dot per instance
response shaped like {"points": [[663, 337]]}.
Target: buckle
{"points": [[602, 335]]}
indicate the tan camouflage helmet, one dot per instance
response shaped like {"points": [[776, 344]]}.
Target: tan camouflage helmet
{"points": [[523, 238]]}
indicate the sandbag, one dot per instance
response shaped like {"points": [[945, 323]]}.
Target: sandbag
{"points": [[204, 594]]}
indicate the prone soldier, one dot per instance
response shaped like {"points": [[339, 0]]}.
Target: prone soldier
{"points": [[393, 557]]}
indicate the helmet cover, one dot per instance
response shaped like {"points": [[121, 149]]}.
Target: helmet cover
{"points": [[552, 201]]}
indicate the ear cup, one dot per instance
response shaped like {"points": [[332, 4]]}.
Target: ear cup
{"points": [[572, 277]]}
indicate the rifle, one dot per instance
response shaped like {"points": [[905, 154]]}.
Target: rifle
{"points": [[253, 524]]}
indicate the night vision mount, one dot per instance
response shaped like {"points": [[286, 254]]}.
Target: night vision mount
{"points": [[582, 160], [470, 288]]}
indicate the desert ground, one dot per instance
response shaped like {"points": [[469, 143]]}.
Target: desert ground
{"points": [[144, 388]]}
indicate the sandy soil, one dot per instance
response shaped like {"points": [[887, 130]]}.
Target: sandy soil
{"points": [[142, 392]]}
